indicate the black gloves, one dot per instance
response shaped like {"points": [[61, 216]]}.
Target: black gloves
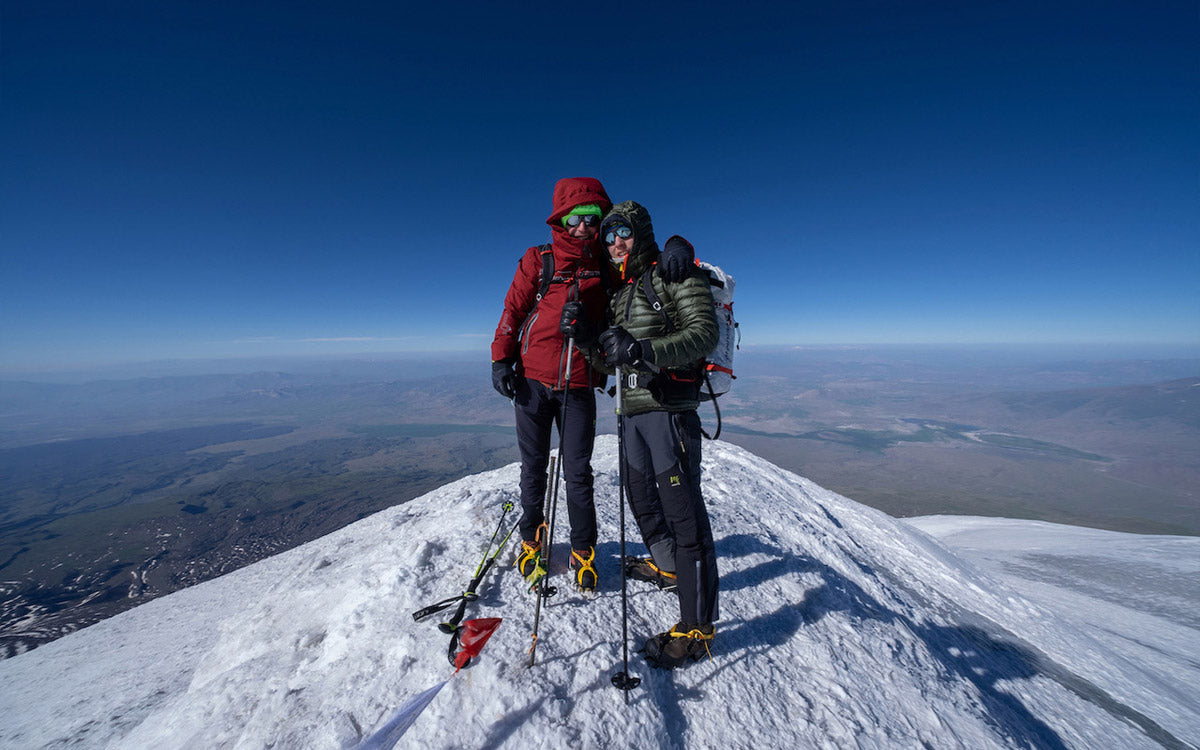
{"points": [[504, 378], [574, 322], [676, 260], [620, 348]]}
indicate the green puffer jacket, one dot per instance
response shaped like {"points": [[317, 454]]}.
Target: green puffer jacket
{"points": [[689, 304]]}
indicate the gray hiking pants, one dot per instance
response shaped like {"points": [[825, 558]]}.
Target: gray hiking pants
{"points": [[662, 454]]}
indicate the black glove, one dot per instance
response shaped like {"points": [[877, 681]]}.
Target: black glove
{"points": [[620, 348], [504, 378], [676, 260], [574, 322]]}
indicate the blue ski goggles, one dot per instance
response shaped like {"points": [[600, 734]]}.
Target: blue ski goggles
{"points": [[621, 231]]}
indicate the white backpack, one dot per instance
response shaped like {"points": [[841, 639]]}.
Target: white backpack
{"points": [[718, 365], [717, 368]]}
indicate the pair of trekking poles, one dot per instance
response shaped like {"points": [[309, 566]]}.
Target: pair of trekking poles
{"points": [[453, 625], [622, 679], [544, 589], [542, 584]]}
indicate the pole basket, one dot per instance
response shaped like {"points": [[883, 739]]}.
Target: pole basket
{"points": [[625, 681]]}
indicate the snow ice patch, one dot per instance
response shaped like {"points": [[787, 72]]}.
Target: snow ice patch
{"points": [[841, 627]]}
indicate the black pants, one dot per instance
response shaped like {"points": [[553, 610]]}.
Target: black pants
{"points": [[662, 455], [538, 407]]}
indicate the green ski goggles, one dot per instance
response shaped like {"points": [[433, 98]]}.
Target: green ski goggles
{"points": [[589, 220]]}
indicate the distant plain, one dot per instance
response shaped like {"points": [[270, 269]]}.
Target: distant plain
{"points": [[121, 486]]}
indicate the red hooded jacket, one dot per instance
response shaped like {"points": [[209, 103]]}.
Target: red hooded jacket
{"points": [[528, 330]]}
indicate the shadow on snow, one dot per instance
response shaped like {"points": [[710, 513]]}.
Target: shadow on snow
{"points": [[982, 656]]}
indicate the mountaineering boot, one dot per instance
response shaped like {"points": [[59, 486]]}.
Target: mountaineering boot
{"points": [[529, 561], [585, 572], [644, 569], [679, 645]]}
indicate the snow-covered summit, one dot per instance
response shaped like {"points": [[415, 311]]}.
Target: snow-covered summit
{"points": [[841, 627]]}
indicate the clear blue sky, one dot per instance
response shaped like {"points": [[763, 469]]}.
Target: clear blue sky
{"points": [[213, 179]]}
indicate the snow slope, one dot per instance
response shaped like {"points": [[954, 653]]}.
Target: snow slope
{"points": [[1136, 596], [842, 627]]}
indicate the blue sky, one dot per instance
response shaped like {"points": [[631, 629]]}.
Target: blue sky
{"points": [[211, 179]]}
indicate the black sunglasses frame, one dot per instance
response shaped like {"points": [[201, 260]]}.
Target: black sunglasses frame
{"points": [[590, 220]]}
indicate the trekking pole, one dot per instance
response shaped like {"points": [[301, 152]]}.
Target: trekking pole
{"points": [[622, 679], [562, 441], [451, 625], [546, 590], [537, 607], [480, 571]]}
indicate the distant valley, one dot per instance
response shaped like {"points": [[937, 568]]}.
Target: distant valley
{"points": [[117, 491], [168, 510], [988, 439]]}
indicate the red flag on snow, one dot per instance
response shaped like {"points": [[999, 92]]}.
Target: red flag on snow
{"points": [[474, 634]]}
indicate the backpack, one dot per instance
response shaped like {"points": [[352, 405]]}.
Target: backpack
{"points": [[717, 367]]}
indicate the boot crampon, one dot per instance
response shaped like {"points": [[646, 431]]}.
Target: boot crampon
{"points": [[585, 572], [644, 569], [681, 644], [529, 563]]}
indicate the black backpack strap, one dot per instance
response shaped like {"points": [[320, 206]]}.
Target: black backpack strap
{"points": [[547, 270], [712, 397], [654, 300]]}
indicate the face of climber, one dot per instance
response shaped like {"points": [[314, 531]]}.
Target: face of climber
{"points": [[619, 241], [582, 227]]}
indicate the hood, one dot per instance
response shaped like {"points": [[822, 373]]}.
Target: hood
{"points": [[570, 192], [645, 249]]}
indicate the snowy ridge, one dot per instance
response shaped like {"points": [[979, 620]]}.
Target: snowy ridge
{"points": [[841, 627]]}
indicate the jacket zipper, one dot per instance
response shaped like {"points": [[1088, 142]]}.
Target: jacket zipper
{"points": [[563, 355], [525, 332]]}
